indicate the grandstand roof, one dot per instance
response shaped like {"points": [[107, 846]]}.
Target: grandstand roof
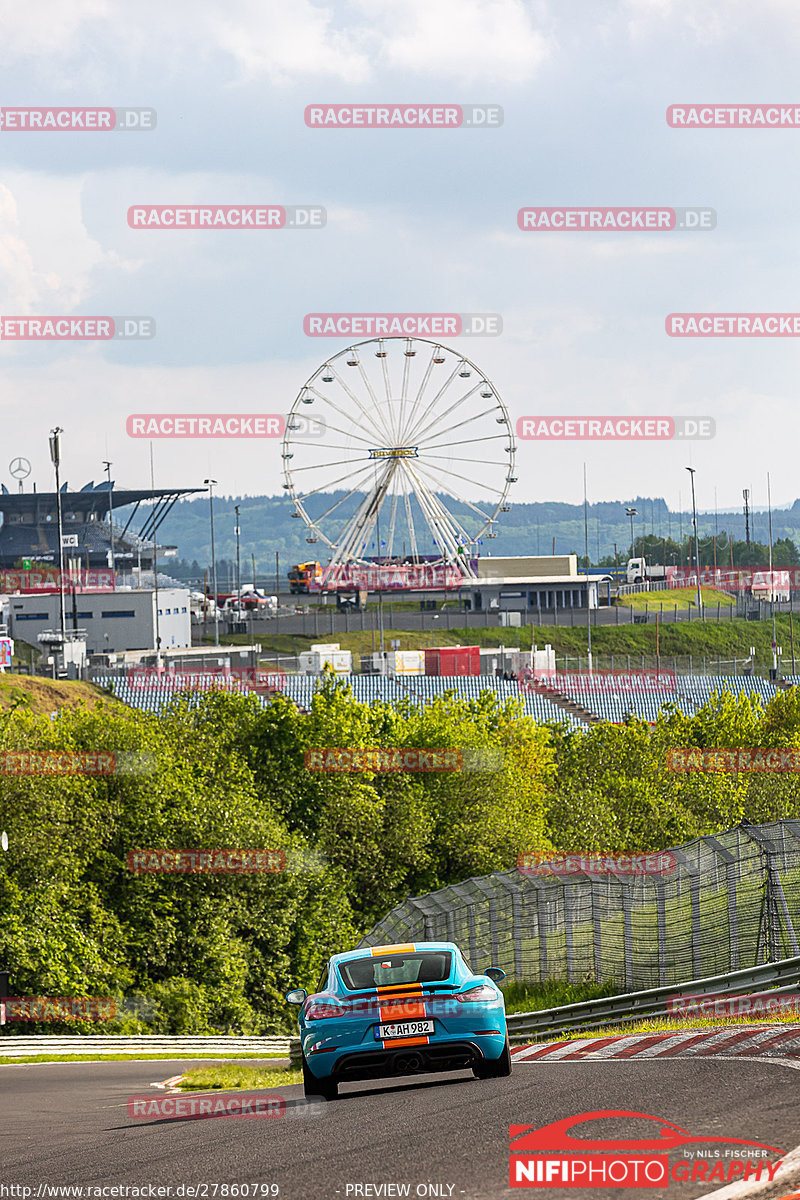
{"points": [[89, 499]]}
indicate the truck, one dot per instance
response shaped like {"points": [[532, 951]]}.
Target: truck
{"points": [[303, 575], [639, 570]]}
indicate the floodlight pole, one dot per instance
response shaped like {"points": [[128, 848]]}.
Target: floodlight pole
{"points": [[211, 483], [55, 456], [772, 585], [586, 554], [696, 543], [112, 564], [631, 512], [238, 562]]}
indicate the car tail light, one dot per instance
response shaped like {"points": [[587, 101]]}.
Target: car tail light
{"points": [[482, 994], [320, 1012]]}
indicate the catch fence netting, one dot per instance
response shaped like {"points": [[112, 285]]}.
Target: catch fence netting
{"points": [[732, 901]]}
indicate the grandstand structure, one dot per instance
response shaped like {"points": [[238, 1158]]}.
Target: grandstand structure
{"points": [[29, 525], [570, 700], [616, 698], [367, 689]]}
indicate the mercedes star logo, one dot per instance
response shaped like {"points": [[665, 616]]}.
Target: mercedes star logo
{"points": [[19, 468]]}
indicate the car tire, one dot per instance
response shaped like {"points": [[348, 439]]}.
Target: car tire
{"points": [[326, 1089], [496, 1068]]}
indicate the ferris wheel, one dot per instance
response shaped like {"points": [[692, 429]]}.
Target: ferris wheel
{"points": [[399, 447]]}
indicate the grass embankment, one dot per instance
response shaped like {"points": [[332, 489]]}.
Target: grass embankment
{"points": [[724, 639], [664, 1025], [668, 598], [530, 997], [41, 695]]}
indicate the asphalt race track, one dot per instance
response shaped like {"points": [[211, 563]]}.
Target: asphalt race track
{"points": [[67, 1124]]}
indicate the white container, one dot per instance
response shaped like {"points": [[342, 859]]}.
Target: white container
{"points": [[314, 661], [405, 662]]}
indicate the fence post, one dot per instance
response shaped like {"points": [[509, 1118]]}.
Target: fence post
{"points": [[598, 933], [627, 922], [774, 900], [516, 923], [486, 887], [661, 909], [568, 932], [694, 889], [541, 922], [731, 874]]}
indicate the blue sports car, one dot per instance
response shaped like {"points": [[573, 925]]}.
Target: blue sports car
{"points": [[400, 1010]]}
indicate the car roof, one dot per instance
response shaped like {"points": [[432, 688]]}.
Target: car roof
{"points": [[397, 948]]}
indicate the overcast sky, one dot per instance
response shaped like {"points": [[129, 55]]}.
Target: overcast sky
{"points": [[417, 221]]}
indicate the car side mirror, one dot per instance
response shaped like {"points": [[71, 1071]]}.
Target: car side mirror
{"points": [[297, 996], [495, 973]]}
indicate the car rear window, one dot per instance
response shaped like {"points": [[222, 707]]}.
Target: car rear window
{"points": [[422, 966]]}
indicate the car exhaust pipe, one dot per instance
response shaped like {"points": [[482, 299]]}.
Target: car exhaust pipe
{"points": [[407, 1064]]}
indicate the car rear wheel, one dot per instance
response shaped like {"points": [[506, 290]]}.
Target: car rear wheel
{"points": [[496, 1068], [328, 1089]]}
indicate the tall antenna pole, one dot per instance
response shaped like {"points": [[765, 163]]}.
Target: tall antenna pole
{"points": [[746, 495], [210, 483], [112, 564], [696, 544], [238, 561], [586, 553], [772, 585]]}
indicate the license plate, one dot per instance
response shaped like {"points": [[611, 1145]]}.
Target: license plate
{"points": [[403, 1029]]}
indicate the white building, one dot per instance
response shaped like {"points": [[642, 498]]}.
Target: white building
{"points": [[114, 621]]}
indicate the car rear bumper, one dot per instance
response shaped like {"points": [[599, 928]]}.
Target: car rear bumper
{"points": [[407, 1060]]}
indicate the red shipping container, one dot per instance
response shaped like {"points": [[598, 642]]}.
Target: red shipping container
{"points": [[453, 660]]}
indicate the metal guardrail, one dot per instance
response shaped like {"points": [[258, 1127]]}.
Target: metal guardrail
{"points": [[17, 1046], [633, 1006]]}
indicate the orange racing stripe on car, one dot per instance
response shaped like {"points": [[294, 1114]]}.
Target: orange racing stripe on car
{"points": [[406, 1009]]}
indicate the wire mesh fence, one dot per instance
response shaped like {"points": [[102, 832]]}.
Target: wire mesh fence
{"points": [[732, 901]]}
